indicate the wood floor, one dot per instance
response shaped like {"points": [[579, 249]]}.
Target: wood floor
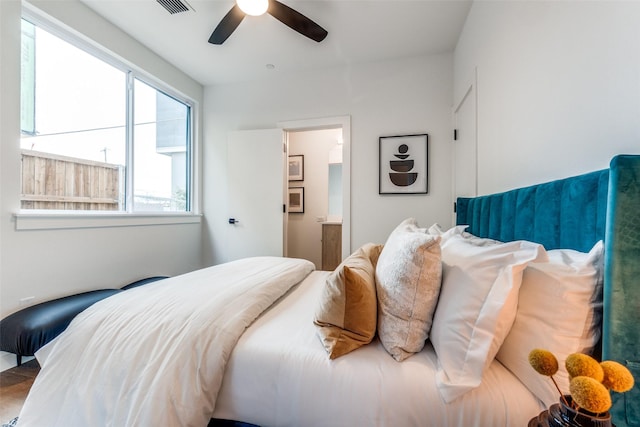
{"points": [[14, 386]]}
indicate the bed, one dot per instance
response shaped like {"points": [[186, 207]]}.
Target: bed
{"points": [[270, 362]]}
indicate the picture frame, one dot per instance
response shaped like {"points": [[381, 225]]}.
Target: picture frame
{"points": [[295, 200], [296, 167], [403, 164]]}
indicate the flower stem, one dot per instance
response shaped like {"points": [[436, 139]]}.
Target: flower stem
{"points": [[558, 388]]}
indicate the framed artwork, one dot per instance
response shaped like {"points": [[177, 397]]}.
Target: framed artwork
{"points": [[403, 164], [296, 200], [296, 168]]}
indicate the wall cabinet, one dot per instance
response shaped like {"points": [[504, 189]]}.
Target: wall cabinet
{"points": [[331, 245]]}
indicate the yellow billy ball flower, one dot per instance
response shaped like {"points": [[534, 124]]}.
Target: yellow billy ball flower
{"points": [[590, 394], [543, 361], [579, 364], [616, 376]]}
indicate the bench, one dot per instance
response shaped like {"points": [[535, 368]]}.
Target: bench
{"points": [[26, 331]]}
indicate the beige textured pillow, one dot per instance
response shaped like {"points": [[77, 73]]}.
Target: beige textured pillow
{"points": [[408, 277], [346, 317]]}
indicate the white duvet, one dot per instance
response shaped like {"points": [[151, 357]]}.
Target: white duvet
{"points": [[155, 355]]}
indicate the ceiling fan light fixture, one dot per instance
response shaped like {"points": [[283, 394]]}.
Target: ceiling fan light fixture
{"points": [[253, 7], [283, 13]]}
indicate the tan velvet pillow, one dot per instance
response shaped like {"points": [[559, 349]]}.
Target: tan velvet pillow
{"points": [[408, 277], [346, 317]]}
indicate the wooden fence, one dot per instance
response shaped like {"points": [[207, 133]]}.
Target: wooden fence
{"points": [[50, 181]]}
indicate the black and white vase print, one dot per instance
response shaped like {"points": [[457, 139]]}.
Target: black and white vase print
{"points": [[403, 164], [402, 175]]}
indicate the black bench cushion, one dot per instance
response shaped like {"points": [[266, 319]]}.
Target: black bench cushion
{"points": [[143, 282]]}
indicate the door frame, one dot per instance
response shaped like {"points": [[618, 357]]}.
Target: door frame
{"points": [[343, 122], [470, 88]]}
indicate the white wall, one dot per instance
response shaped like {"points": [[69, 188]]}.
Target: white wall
{"points": [[304, 235], [558, 87], [389, 98], [52, 263]]}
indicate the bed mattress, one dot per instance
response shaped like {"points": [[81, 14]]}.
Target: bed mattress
{"points": [[279, 375]]}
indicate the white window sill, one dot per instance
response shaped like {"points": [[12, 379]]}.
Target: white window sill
{"points": [[56, 221]]}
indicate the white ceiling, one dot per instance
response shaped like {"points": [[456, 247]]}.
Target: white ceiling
{"points": [[359, 31]]}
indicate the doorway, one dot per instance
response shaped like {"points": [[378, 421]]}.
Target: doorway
{"points": [[316, 192], [325, 183]]}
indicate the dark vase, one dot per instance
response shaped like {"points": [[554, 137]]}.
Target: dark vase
{"points": [[561, 415]]}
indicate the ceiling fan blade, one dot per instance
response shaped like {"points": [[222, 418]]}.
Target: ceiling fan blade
{"points": [[229, 23], [296, 21]]}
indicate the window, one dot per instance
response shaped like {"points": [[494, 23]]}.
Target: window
{"points": [[97, 136]]}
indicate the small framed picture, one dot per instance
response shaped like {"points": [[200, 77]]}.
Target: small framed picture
{"points": [[296, 200], [296, 168], [403, 167]]}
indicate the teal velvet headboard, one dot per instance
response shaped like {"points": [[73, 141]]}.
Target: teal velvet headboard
{"points": [[575, 213]]}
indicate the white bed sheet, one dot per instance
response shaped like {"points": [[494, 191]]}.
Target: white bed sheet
{"points": [[279, 375]]}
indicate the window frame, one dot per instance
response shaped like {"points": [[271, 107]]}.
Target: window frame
{"points": [[40, 219]]}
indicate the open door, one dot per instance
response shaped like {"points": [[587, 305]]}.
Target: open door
{"points": [[256, 162]]}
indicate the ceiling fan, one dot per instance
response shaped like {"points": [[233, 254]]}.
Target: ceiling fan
{"points": [[283, 13]]}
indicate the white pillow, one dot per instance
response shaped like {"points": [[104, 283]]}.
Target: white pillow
{"points": [[559, 310], [477, 305], [408, 277]]}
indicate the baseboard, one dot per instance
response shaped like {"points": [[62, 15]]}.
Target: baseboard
{"points": [[8, 360]]}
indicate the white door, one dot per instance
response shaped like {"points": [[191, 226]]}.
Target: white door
{"points": [[256, 179], [465, 146]]}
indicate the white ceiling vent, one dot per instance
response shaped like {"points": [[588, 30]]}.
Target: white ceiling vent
{"points": [[175, 6]]}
